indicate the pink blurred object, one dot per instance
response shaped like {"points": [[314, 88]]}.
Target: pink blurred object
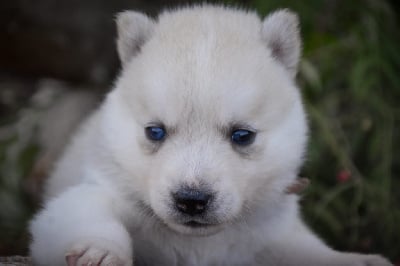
{"points": [[343, 176]]}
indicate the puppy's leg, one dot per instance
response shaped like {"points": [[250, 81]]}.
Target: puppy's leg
{"points": [[302, 247], [81, 227]]}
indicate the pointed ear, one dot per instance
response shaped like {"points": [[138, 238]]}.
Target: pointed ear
{"points": [[280, 31], [134, 29]]}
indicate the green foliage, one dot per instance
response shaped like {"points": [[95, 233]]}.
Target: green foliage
{"points": [[16, 159]]}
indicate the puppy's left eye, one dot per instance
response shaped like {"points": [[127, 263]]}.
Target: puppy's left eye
{"points": [[243, 137], [155, 133]]}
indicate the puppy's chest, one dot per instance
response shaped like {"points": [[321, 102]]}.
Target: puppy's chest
{"points": [[196, 252]]}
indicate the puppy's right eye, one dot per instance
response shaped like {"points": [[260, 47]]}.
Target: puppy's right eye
{"points": [[155, 133], [243, 137]]}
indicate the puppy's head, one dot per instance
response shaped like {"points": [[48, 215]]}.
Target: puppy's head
{"points": [[205, 119]]}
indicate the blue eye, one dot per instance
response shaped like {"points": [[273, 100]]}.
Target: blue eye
{"points": [[155, 133], [243, 137]]}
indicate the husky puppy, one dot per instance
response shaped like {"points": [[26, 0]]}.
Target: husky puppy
{"points": [[187, 160]]}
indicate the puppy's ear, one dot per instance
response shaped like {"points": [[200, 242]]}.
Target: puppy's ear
{"points": [[280, 31], [134, 29]]}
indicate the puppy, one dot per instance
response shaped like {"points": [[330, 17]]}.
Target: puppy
{"points": [[187, 160]]}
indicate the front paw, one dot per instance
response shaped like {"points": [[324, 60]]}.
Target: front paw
{"points": [[98, 252], [366, 260]]}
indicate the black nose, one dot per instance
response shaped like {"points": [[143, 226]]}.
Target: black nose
{"points": [[192, 201]]}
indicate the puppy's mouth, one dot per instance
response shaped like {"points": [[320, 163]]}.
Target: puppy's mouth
{"points": [[195, 224], [195, 228], [199, 226]]}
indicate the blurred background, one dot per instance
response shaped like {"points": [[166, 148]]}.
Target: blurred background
{"points": [[58, 59]]}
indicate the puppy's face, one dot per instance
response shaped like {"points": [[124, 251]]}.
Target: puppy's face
{"points": [[207, 129]]}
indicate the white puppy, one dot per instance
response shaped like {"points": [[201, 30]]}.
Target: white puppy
{"points": [[187, 160]]}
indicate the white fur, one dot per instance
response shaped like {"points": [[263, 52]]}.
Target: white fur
{"points": [[199, 71]]}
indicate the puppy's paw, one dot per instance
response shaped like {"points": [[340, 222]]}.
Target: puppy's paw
{"points": [[366, 260], [99, 252]]}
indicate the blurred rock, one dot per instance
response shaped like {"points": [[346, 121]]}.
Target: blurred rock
{"points": [[15, 261], [62, 109]]}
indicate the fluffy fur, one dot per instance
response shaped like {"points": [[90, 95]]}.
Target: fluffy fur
{"points": [[200, 72]]}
